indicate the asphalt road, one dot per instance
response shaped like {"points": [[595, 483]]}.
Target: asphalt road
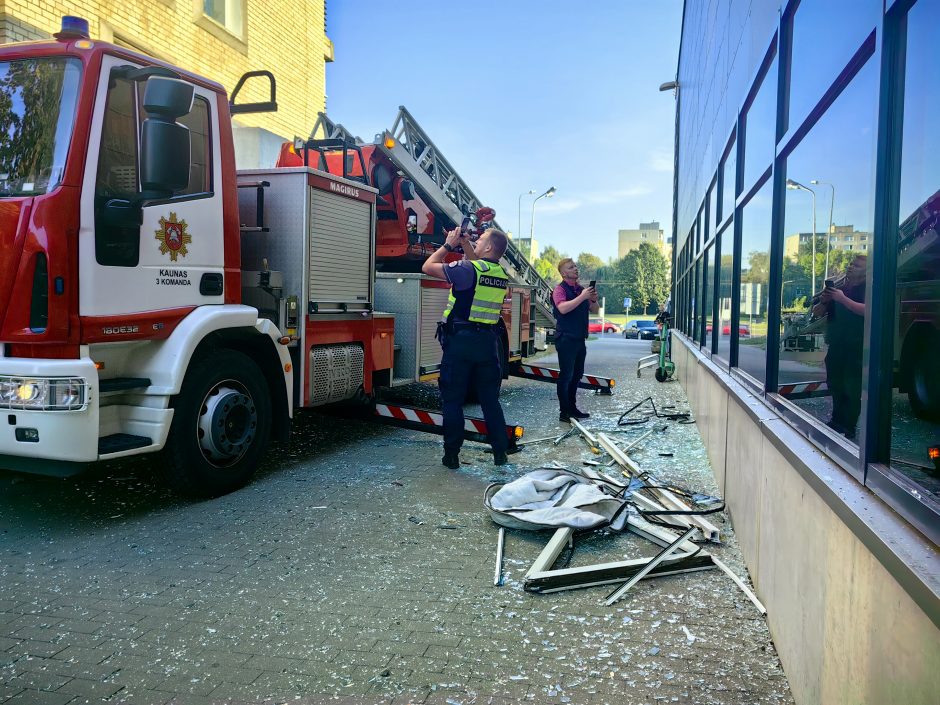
{"points": [[356, 566]]}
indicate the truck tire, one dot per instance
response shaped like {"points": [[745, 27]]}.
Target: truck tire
{"points": [[221, 426], [924, 381]]}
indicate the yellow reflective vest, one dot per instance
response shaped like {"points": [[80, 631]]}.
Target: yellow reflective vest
{"points": [[488, 293]]}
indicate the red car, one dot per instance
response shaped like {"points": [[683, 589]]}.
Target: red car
{"points": [[744, 330], [594, 326]]}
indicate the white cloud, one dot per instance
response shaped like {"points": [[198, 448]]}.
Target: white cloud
{"points": [[661, 161]]}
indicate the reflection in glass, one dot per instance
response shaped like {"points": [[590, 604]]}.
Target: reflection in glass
{"points": [[696, 299], [708, 290], [755, 278], [826, 33], [916, 404], [713, 207], [728, 194], [822, 326], [760, 127], [725, 291], [37, 108]]}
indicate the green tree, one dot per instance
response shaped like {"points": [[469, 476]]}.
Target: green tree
{"points": [[645, 273], [547, 270], [588, 266], [552, 256]]}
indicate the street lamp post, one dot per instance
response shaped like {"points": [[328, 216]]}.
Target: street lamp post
{"points": [[832, 202], [519, 211], [549, 194], [797, 186]]}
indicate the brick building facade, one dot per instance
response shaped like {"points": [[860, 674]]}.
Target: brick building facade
{"points": [[219, 39]]}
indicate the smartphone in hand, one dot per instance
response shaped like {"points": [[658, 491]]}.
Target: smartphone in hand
{"points": [[592, 284]]}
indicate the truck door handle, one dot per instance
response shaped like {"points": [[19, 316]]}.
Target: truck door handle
{"points": [[211, 284]]}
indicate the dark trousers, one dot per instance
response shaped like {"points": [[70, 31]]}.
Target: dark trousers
{"points": [[844, 378], [571, 353], [470, 358]]}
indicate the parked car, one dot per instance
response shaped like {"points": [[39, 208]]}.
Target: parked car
{"points": [[594, 326], [744, 330], [642, 330]]}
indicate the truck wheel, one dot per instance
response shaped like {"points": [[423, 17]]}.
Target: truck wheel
{"points": [[221, 426], [924, 389]]}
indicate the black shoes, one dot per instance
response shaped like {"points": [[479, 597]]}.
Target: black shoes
{"points": [[452, 460], [565, 417]]}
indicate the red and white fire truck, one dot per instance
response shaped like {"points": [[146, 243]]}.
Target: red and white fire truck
{"points": [[152, 298]]}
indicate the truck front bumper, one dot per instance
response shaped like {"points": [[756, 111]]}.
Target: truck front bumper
{"points": [[49, 415]]}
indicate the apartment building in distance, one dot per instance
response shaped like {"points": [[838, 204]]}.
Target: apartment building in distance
{"points": [[841, 237], [629, 240]]}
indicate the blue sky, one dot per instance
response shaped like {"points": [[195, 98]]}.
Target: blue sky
{"points": [[525, 95]]}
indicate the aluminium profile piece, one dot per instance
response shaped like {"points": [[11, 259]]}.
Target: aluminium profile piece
{"points": [[500, 542], [618, 594], [740, 583], [666, 498], [587, 435], [611, 573], [550, 553]]}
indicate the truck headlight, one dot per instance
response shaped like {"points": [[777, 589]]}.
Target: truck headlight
{"points": [[42, 393]]}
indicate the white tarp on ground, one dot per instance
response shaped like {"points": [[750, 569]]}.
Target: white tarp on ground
{"points": [[550, 499]]}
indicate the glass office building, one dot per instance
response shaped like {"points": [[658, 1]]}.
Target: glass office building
{"points": [[806, 291]]}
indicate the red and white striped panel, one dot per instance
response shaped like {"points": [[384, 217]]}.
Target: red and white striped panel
{"points": [[546, 372], [428, 418], [804, 389], [549, 373]]}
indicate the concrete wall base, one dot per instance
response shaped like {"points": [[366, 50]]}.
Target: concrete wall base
{"points": [[850, 588]]}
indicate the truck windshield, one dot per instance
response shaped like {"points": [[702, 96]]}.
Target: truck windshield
{"points": [[37, 110]]}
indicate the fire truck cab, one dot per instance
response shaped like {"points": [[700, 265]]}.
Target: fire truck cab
{"points": [[121, 323]]}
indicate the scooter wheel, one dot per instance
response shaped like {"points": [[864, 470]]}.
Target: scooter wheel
{"points": [[661, 375]]}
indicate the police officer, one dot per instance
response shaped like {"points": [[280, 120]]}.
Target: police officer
{"points": [[469, 338], [572, 304]]}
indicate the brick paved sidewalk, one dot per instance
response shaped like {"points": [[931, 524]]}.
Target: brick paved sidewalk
{"points": [[357, 566]]}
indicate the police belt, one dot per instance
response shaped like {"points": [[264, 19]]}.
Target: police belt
{"points": [[454, 326]]}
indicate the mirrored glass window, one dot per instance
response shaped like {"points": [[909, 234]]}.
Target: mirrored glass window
{"points": [[725, 291], [823, 319], [826, 33], [760, 129], [915, 423], [755, 278], [728, 194], [708, 291], [713, 206]]}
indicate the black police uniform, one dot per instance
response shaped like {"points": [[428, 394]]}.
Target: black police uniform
{"points": [[471, 357]]}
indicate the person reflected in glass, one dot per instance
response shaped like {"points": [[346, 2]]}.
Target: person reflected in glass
{"points": [[842, 303]]}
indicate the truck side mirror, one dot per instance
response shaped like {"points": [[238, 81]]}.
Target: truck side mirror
{"points": [[165, 145]]}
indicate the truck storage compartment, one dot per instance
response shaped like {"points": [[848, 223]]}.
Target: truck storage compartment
{"points": [[329, 222], [418, 303]]}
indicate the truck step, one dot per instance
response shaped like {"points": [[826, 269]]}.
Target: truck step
{"points": [[122, 384], [117, 442]]}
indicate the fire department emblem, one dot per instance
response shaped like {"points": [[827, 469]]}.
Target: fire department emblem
{"points": [[173, 237]]}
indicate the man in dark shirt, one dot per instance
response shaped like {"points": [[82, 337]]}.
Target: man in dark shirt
{"points": [[845, 310], [572, 304]]}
